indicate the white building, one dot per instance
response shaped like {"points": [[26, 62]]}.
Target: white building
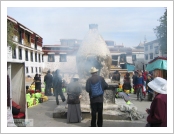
{"points": [[28, 49], [152, 50]]}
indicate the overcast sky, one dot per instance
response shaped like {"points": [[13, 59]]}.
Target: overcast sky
{"points": [[127, 25]]}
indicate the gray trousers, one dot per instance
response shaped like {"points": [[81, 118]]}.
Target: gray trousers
{"points": [[139, 93]]}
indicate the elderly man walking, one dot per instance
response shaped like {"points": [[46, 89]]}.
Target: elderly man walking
{"points": [[95, 86]]}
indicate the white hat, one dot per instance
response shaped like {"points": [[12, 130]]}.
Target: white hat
{"points": [[93, 70], [159, 85], [76, 76]]}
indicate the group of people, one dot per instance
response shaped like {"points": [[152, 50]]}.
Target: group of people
{"points": [[95, 85], [54, 81], [140, 84]]}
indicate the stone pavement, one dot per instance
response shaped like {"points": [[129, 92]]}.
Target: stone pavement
{"points": [[42, 115]]}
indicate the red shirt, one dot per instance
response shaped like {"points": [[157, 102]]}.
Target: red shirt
{"points": [[158, 111]]}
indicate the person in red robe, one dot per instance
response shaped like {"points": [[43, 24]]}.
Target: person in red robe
{"points": [[157, 114]]}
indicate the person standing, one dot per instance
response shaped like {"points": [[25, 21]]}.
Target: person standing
{"points": [[96, 102], [134, 81], [157, 114], [74, 91], [140, 84], [48, 79], [57, 86], [37, 83], [149, 90]]}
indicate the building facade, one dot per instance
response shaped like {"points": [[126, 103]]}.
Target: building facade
{"points": [[151, 51], [28, 49]]}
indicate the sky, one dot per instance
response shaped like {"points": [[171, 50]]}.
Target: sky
{"points": [[123, 25]]}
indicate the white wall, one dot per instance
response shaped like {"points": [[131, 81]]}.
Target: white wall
{"points": [[69, 66]]}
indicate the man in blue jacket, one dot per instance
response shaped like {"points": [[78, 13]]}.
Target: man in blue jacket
{"points": [[96, 102]]}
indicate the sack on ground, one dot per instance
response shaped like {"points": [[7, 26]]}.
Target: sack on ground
{"points": [[96, 89]]}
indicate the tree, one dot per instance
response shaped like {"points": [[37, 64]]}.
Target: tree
{"points": [[161, 32], [10, 34]]}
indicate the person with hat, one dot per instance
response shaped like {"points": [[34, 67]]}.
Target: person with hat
{"points": [[95, 86], [157, 114], [74, 91]]}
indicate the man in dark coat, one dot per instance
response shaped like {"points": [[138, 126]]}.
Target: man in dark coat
{"points": [[57, 86], [48, 79], [96, 102], [158, 110]]}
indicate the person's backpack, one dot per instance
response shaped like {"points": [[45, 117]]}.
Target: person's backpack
{"points": [[96, 89]]}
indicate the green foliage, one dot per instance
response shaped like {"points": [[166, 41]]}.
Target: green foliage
{"points": [[10, 34], [161, 32]]}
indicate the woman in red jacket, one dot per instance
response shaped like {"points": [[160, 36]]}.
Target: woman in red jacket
{"points": [[158, 110]]}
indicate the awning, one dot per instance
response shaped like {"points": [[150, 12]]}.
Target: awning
{"points": [[158, 64]]}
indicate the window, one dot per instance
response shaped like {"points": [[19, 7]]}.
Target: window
{"points": [[35, 57], [51, 58], [151, 55], [26, 55], [40, 69], [31, 56], [114, 59], [27, 70], [31, 69], [151, 46], [36, 69], [20, 37], [14, 53], [42, 59], [146, 48], [39, 57], [133, 57], [35, 45], [157, 50], [20, 53], [63, 58], [146, 56], [27, 38]]}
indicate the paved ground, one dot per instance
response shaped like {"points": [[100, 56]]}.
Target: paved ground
{"points": [[43, 116]]}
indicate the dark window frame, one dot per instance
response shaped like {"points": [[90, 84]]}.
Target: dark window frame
{"points": [[20, 36], [39, 57], [31, 55], [42, 58], [20, 53], [35, 57], [26, 55], [35, 44], [151, 55], [36, 69], [32, 70], [51, 57], [63, 58], [14, 53], [27, 71]]}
